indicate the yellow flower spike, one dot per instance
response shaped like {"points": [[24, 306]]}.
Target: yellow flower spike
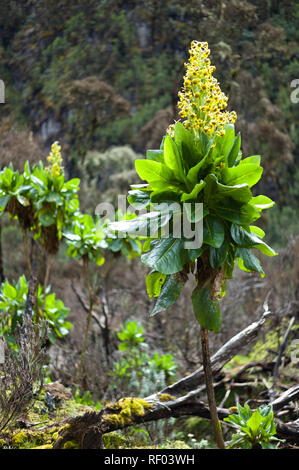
{"points": [[55, 160], [201, 100]]}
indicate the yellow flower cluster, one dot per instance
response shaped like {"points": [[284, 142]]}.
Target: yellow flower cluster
{"points": [[201, 101], [55, 160]]}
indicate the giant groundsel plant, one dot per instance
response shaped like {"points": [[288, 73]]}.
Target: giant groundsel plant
{"points": [[199, 161]]}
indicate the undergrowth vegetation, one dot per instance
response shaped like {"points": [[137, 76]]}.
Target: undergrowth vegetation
{"points": [[96, 94]]}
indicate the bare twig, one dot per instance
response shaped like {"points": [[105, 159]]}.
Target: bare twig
{"points": [[280, 353]]}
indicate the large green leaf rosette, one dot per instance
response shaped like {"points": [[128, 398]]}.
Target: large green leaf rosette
{"points": [[198, 177], [208, 171]]}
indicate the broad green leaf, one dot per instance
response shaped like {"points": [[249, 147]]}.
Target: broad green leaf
{"points": [[249, 173], [141, 187], [73, 204], [9, 291], [243, 238], [248, 261], [72, 184], [167, 256], [234, 211], [72, 237], [163, 196], [266, 249], [156, 155], [257, 231], [185, 143], [195, 211], [153, 172], [99, 259], [23, 200], [234, 152], [195, 253], [229, 263], [256, 159], [7, 177], [246, 239], [39, 181], [218, 255], [135, 245], [115, 244], [144, 225], [193, 173], [213, 231], [244, 412], [215, 191], [268, 445], [4, 201], [154, 282], [46, 218], [146, 245], [169, 294], [262, 202], [138, 199], [54, 197], [207, 311], [194, 193], [254, 422], [173, 160], [225, 143]]}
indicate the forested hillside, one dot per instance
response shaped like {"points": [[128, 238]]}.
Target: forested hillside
{"points": [[93, 85]]}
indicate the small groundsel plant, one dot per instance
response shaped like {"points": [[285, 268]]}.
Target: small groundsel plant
{"points": [[253, 430], [87, 399], [47, 308], [199, 161], [137, 371]]}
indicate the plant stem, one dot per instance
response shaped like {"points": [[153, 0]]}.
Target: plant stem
{"points": [[204, 336], [2, 277], [89, 315], [49, 258], [26, 250]]}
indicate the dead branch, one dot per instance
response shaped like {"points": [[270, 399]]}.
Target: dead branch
{"points": [[280, 353], [288, 396]]}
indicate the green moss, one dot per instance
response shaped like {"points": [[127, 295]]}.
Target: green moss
{"points": [[32, 439], [177, 445], [45, 446], [2, 443], [137, 406], [165, 397], [70, 445], [114, 440], [128, 407], [20, 438], [114, 419]]}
